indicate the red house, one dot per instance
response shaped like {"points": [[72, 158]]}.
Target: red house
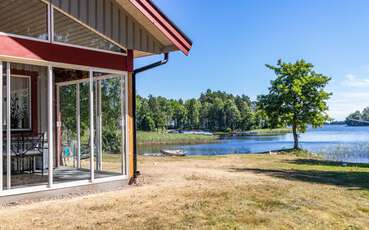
{"points": [[68, 88]]}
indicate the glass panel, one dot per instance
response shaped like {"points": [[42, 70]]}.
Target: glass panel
{"points": [[110, 150], [20, 102], [85, 124], [27, 149], [67, 30], [5, 159], [68, 125], [27, 18], [4, 96], [75, 158]]}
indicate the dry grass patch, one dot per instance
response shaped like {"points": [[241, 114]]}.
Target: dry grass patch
{"points": [[233, 192]]}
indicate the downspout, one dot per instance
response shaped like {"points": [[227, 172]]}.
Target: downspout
{"points": [[135, 72]]}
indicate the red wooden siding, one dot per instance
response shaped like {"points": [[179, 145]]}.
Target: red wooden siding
{"points": [[29, 49]]}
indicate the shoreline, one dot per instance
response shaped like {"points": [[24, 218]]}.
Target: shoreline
{"points": [[262, 132], [163, 138]]}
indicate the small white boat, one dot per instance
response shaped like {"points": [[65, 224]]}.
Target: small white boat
{"points": [[153, 154], [167, 152]]}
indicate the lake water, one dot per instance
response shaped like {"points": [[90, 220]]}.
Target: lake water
{"points": [[333, 142]]}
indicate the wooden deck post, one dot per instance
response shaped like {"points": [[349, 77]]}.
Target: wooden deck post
{"points": [[130, 126]]}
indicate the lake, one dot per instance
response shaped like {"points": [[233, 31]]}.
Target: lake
{"points": [[332, 142]]}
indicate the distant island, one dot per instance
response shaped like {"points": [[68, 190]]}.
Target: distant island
{"points": [[358, 118], [336, 123]]}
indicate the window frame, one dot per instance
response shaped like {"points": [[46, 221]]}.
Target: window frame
{"points": [[48, 40], [50, 32], [53, 8]]}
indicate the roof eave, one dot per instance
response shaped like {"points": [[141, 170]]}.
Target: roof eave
{"points": [[162, 22]]}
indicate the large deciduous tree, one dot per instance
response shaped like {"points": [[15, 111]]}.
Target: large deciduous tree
{"points": [[297, 97]]}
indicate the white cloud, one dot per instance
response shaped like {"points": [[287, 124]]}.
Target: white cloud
{"points": [[354, 81], [348, 96]]}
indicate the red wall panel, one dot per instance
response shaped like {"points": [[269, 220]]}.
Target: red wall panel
{"points": [[24, 48]]}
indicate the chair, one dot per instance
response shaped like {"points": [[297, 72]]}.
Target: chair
{"points": [[25, 148]]}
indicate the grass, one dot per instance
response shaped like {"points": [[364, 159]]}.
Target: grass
{"points": [[259, 132], [284, 191], [172, 138], [147, 138]]}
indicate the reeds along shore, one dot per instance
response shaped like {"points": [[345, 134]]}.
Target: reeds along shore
{"points": [[146, 138]]}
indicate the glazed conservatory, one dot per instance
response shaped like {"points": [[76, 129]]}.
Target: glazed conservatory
{"points": [[67, 94]]}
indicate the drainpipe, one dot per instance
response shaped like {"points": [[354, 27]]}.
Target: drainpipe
{"points": [[135, 72]]}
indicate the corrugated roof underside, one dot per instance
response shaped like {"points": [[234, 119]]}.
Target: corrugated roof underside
{"points": [[109, 18]]}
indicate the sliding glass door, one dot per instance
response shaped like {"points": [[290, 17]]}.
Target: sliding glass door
{"points": [[110, 124], [105, 102]]}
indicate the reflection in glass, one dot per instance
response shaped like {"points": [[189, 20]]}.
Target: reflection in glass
{"points": [[67, 30], [27, 18], [110, 124]]}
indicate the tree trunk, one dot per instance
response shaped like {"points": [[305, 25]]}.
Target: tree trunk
{"points": [[295, 137]]}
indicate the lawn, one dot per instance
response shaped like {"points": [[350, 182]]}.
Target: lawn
{"points": [[230, 192]]}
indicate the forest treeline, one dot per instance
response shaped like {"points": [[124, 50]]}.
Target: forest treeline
{"points": [[212, 111], [358, 118]]}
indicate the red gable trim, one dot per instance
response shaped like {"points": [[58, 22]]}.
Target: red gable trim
{"points": [[162, 22], [44, 51]]}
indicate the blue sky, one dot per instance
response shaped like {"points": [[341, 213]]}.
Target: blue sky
{"points": [[234, 39]]}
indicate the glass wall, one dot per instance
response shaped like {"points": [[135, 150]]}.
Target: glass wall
{"points": [[74, 114], [73, 126], [31, 19], [110, 124], [67, 30], [27, 18], [24, 144], [25, 151]]}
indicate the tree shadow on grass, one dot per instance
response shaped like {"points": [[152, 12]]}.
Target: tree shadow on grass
{"points": [[349, 179], [326, 163]]}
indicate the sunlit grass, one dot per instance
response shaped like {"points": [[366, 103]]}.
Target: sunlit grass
{"points": [[285, 191]]}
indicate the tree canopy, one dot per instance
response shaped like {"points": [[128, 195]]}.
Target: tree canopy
{"points": [[358, 118], [297, 97], [213, 111]]}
